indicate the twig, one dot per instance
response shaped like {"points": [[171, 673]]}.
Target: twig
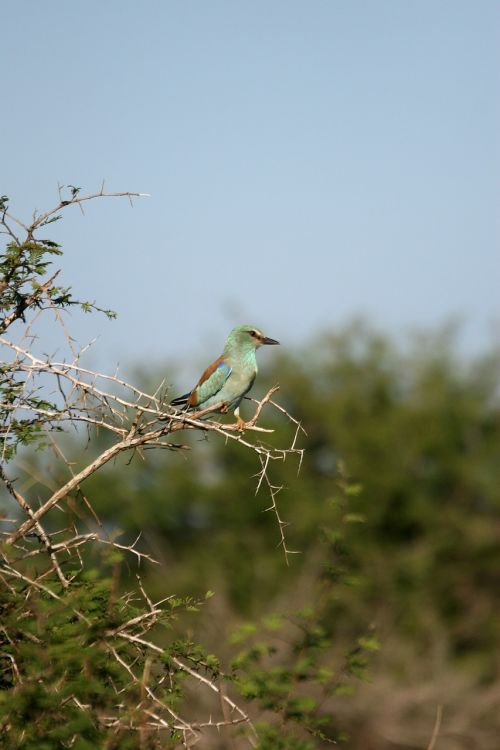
{"points": [[437, 727], [40, 530], [263, 477], [76, 200]]}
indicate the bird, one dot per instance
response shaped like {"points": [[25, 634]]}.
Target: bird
{"points": [[229, 378]]}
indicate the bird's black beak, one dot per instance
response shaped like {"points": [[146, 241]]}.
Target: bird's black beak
{"points": [[267, 340]]}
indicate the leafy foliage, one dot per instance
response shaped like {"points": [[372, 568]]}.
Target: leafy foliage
{"points": [[63, 670]]}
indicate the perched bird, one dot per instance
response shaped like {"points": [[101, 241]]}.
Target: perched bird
{"points": [[231, 376]]}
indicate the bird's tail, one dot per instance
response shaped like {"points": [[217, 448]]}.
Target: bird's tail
{"points": [[180, 400]]}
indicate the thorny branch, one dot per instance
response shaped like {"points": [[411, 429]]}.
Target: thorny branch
{"points": [[134, 419], [53, 395], [74, 198]]}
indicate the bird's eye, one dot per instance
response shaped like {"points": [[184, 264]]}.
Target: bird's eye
{"points": [[253, 333]]}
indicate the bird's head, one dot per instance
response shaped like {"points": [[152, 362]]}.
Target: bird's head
{"points": [[248, 337]]}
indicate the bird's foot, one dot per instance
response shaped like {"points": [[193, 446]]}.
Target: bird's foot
{"points": [[240, 424], [224, 407]]}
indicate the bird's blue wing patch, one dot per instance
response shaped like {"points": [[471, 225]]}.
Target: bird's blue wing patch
{"points": [[210, 382]]}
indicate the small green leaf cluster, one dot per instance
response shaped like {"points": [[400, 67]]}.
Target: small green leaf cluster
{"points": [[22, 266], [21, 427], [285, 665]]}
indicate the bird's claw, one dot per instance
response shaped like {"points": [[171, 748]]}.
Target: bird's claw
{"points": [[240, 424]]}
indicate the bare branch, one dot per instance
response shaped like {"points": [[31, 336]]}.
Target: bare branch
{"points": [[77, 200], [135, 420], [196, 675], [39, 528]]}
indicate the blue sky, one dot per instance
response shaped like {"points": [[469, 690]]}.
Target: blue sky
{"points": [[307, 162]]}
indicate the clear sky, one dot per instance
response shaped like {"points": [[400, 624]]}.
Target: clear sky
{"points": [[307, 161]]}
